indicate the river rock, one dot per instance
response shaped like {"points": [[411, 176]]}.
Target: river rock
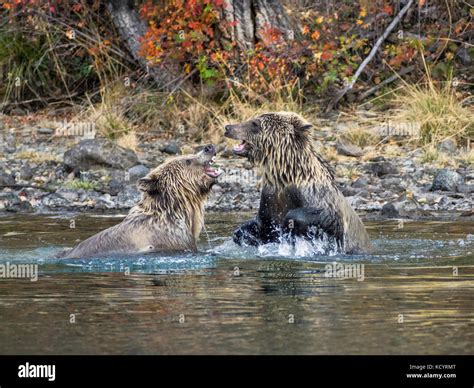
{"points": [[393, 184], [137, 172], [115, 186], [26, 172], [6, 179], [10, 143], [447, 145], [381, 168], [348, 149], [171, 148], [104, 202], [446, 180], [389, 210], [7, 199], [362, 181], [68, 194], [45, 131], [55, 201], [465, 188], [350, 191], [91, 153], [19, 206], [128, 197]]}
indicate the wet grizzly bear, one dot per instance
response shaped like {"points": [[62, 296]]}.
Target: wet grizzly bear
{"points": [[169, 216], [299, 194]]}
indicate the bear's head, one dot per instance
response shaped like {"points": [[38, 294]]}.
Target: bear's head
{"points": [[269, 135], [186, 178]]}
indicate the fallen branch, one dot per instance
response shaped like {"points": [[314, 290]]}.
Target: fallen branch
{"points": [[44, 100], [389, 80], [19, 186], [372, 53]]}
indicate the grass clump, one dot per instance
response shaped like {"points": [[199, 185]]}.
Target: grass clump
{"points": [[360, 137], [84, 184], [436, 111], [37, 157]]}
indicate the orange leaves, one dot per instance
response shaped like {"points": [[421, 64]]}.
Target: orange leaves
{"points": [[315, 35], [77, 7], [271, 36], [326, 55], [403, 54], [183, 31], [195, 25], [388, 9]]}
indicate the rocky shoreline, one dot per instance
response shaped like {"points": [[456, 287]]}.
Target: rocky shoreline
{"points": [[43, 173]]}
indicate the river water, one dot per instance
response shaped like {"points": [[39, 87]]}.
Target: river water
{"points": [[413, 295]]}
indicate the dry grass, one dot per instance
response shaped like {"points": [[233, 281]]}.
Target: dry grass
{"points": [[202, 118], [191, 117], [129, 141], [360, 137], [330, 154], [467, 157], [349, 172], [108, 115], [436, 110], [37, 157], [431, 155]]}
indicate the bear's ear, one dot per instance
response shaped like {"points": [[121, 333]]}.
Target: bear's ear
{"points": [[148, 185], [305, 126]]}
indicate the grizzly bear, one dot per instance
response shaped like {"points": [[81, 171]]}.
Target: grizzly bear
{"points": [[299, 194], [169, 216]]}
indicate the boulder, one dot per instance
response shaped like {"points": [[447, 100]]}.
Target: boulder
{"points": [[6, 179], [171, 148], [448, 146], [446, 180], [91, 153], [137, 172], [348, 149], [381, 168]]}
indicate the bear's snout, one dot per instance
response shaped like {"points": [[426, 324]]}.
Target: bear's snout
{"points": [[210, 149], [229, 131]]}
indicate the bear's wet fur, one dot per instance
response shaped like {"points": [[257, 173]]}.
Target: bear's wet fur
{"points": [[169, 216], [299, 192]]}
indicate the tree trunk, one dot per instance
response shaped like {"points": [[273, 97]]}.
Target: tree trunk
{"points": [[251, 18], [131, 28]]}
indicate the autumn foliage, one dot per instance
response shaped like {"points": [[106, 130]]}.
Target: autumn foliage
{"points": [[328, 47], [193, 36]]}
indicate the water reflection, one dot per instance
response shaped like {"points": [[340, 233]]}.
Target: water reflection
{"points": [[228, 301]]}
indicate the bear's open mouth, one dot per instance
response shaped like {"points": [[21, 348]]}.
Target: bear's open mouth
{"points": [[241, 149], [210, 171]]}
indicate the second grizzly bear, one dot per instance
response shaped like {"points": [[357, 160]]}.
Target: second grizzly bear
{"points": [[299, 194], [170, 214]]}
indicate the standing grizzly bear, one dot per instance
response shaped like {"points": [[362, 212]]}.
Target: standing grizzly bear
{"points": [[169, 216], [299, 195]]}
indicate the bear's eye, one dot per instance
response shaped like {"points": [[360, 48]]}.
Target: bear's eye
{"points": [[255, 127]]}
